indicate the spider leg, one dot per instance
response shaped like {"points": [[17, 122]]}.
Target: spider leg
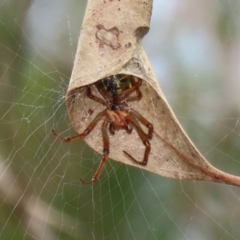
{"points": [[105, 154], [135, 98], [135, 87], [144, 137], [144, 121], [85, 132], [93, 97], [139, 94], [111, 128], [129, 128]]}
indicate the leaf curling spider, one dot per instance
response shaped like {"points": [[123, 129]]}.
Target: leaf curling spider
{"points": [[116, 92]]}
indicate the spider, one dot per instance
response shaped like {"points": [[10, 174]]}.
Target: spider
{"points": [[116, 92]]}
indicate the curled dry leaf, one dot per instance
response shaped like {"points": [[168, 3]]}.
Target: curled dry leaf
{"points": [[110, 44]]}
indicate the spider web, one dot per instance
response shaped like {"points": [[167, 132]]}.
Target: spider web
{"points": [[194, 47]]}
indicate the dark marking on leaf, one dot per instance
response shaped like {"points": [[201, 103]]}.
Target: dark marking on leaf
{"points": [[128, 45], [90, 111], [108, 37]]}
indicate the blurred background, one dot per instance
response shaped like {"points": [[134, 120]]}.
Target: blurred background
{"points": [[194, 47]]}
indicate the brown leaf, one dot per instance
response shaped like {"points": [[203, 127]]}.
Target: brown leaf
{"points": [[110, 44]]}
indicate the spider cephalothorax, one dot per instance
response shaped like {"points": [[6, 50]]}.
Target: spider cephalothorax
{"points": [[116, 91]]}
